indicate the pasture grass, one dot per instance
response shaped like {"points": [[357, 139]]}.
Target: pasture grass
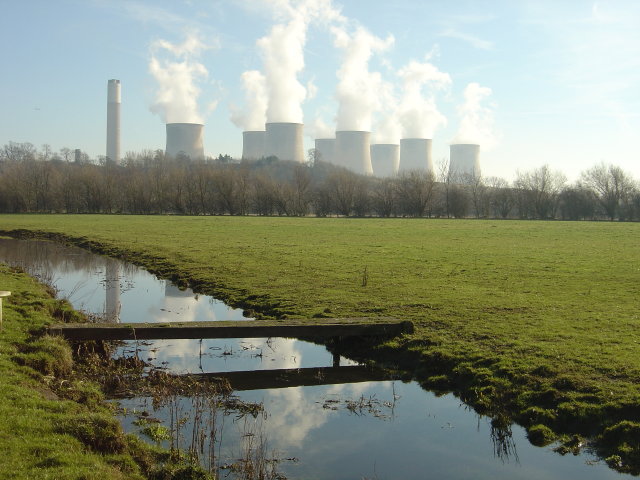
{"points": [[58, 433], [539, 319]]}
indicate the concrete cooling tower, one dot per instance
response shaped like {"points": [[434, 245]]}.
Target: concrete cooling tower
{"points": [[113, 120], [353, 151], [253, 144], [464, 162], [415, 154], [325, 149], [185, 139], [385, 159], [285, 141]]}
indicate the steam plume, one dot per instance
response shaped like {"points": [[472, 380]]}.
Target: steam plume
{"points": [[418, 113], [282, 52], [254, 116], [177, 71], [358, 90], [476, 122]]}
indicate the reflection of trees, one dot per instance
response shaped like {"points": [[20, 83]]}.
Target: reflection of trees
{"points": [[47, 256]]}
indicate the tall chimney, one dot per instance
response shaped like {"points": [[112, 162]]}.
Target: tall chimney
{"points": [[113, 120], [415, 154], [385, 159], [353, 151], [464, 162], [185, 139], [253, 144], [325, 149], [285, 141]]}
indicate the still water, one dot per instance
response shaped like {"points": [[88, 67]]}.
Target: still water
{"points": [[374, 429]]}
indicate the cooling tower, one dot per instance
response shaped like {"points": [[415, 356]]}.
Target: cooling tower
{"points": [[113, 120], [325, 149], [285, 141], [464, 162], [415, 154], [385, 159], [253, 144], [353, 151], [185, 139]]}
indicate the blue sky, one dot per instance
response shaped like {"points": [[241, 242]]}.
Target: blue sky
{"points": [[564, 76]]}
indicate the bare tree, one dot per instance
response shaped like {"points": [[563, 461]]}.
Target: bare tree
{"points": [[577, 203], [540, 188], [415, 191], [501, 197], [612, 186], [479, 196]]}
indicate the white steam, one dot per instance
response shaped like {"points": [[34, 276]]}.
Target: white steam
{"points": [[358, 90], [177, 71], [320, 129], [417, 112], [254, 116], [476, 120], [281, 94]]}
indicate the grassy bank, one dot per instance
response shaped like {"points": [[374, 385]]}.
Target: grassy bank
{"points": [[534, 320], [54, 424]]}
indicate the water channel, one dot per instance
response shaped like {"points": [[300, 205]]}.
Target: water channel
{"points": [[368, 429]]}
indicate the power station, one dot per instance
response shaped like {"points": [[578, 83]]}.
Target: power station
{"points": [[325, 149], [113, 120], [415, 154], [185, 139], [353, 151], [253, 143], [464, 162], [285, 141], [385, 159]]}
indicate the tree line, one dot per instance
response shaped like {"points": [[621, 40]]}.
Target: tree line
{"points": [[36, 180]]}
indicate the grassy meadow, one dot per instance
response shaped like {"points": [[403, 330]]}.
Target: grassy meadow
{"points": [[539, 319], [55, 425]]}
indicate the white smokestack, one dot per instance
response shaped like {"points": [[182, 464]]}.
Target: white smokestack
{"points": [[113, 120], [415, 154], [353, 151], [253, 144], [325, 149], [185, 139], [285, 141], [385, 159], [464, 162]]}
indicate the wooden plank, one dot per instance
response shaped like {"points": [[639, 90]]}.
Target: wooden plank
{"points": [[289, 328]]}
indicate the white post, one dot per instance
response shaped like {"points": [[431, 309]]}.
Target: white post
{"points": [[3, 293]]}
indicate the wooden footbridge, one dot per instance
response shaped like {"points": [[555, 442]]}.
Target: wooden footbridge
{"points": [[288, 328]]}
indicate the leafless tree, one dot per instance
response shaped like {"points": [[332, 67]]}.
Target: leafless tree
{"points": [[612, 186], [539, 191]]}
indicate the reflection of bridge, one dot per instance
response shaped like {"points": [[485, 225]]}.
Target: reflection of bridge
{"points": [[297, 377]]}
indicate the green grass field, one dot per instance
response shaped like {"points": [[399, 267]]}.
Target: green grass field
{"points": [[540, 318]]}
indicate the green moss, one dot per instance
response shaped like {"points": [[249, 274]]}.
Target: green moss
{"points": [[540, 435]]}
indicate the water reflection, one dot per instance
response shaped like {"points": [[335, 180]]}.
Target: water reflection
{"points": [[371, 429], [111, 289], [112, 286]]}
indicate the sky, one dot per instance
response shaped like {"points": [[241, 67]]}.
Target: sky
{"points": [[540, 82]]}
